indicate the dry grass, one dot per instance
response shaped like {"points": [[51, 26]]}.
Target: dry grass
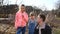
{"points": [[56, 31]]}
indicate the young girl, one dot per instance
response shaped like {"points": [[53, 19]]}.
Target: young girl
{"points": [[31, 24]]}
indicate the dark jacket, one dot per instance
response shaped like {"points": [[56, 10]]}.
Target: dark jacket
{"points": [[47, 30]]}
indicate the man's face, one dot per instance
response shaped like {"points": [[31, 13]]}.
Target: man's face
{"points": [[39, 19], [22, 8]]}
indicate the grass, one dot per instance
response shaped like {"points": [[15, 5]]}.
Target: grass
{"points": [[57, 18], [56, 31]]}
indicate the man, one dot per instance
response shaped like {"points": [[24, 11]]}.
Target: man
{"points": [[43, 27], [21, 20]]}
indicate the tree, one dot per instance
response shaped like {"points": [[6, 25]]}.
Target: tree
{"points": [[1, 2], [58, 8], [58, 4]]}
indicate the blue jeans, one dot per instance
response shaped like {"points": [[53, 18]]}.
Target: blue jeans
{"points": [[21, 29], [31, 28], [31, 31]]}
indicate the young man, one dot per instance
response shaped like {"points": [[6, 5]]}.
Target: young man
{"points": [[21, 20], [43, 27]]}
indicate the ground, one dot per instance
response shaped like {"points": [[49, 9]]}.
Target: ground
{"points": [[9, 28]]}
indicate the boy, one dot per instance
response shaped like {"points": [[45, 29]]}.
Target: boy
{"points": [[32, 23]]}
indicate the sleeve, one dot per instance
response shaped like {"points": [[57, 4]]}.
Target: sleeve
{"points": [[16, 19], [48, 30], [28, 21], [36, 22], [26, 17]]}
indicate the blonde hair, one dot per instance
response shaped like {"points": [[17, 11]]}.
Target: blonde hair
{"points": [[31, 14], [20, 6]]}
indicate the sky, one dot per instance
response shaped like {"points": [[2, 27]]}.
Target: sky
{"points": [[48, 4]]}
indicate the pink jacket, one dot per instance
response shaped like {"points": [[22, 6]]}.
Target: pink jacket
{"points": [[21, 21]]}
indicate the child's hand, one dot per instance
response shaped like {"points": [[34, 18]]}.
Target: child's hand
{"points": [[22, 16]]}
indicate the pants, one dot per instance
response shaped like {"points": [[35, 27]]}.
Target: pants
{"points": [[31, 31], [21, 29], [31, 28]]}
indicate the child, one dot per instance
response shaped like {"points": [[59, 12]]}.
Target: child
{"points": [[32, 23], [43, 27]]}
